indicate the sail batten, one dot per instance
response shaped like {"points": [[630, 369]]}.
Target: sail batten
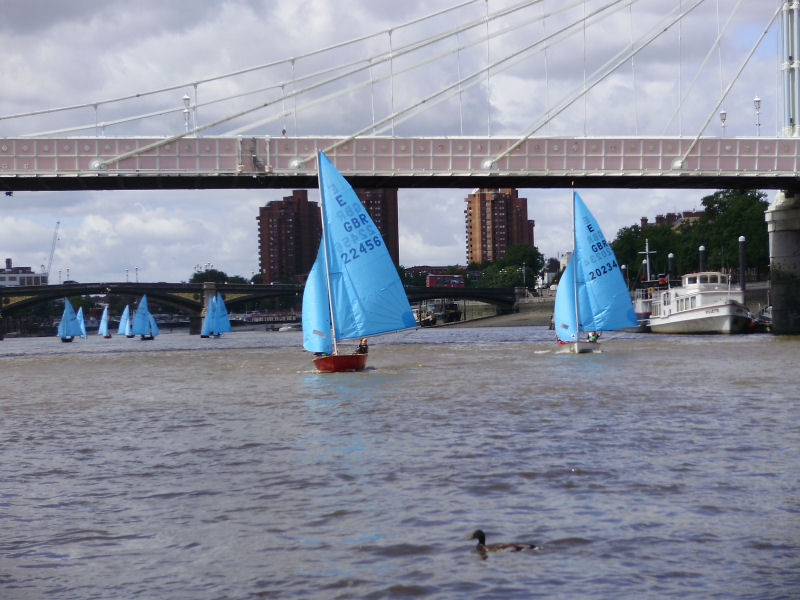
{"points": [[591, 294], [366, 295]]}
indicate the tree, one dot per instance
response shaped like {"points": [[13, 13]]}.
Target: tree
{"points": [[728, 214], [215, 276]]}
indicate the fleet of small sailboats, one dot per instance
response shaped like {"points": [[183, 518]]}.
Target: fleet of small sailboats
{"points": [[591, 294], [353, 289]]}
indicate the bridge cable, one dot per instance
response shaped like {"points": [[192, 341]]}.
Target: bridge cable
{"points": [[681, 162], [237, 72], [599, 74], [700, 69]]}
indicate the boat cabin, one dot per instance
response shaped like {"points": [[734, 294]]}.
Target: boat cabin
{"points": [[696, 291]]}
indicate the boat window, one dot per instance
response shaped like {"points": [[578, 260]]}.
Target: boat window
{"points": [[703, 278], [692, 279], [713, 279], [693, 303]]}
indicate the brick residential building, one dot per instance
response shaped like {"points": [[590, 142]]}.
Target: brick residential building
{"points": [[495, 219], [289, 232]]}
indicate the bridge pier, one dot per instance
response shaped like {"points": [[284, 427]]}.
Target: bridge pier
{"points": [[196, 321], [783, 225]]}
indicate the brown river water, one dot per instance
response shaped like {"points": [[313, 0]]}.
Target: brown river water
{"points": [[661, 467]]}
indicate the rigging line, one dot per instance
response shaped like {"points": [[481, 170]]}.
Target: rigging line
{"points": [[488, 79], [610, 66], [447, 92], [407, 69], [585, 96], [633, 74], [216, 122], [730, 85], [700, 69], [383, 57], [237, 72], [719, 51]]}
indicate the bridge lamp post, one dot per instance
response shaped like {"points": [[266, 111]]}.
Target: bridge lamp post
{"points": [[757, 105], [137, 274], [186, 101], [723, 114], [126, 275]]}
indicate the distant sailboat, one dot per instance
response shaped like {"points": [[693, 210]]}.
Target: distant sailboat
{"points": [[81, 322], [69, 326], [125, 323], [143, 322], [591, 294], [353, 289], [216, 321], [207, 329], [103, 328]]}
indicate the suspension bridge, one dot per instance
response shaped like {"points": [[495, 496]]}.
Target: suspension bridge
{"points": [[384, 135]]}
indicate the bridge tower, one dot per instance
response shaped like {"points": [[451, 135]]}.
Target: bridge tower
{"points": [[783, 215]]}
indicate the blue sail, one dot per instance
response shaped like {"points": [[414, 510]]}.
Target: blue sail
{"points": [[222, 323], [151, 320], [81, 322], [68, 327], [366, 293], [125, 322], [142, 320], [208, 320], [594, 281], [103, 328]]}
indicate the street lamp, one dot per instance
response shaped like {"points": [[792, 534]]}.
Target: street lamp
{"points": [[126, 275], [723, 114], [757, 104], [186, 101], [137, 274]]}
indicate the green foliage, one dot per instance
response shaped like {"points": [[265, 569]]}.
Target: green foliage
{"points": [[728, 214], [216, 276], [518, 267]]}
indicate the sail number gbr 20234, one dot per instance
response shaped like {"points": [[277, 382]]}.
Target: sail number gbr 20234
{"points": [[601, 248]]}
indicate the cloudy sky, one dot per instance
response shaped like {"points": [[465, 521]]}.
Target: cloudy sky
{"points": [[65, 52]]}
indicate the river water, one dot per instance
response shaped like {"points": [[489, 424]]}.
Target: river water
{"points": [[662, 467]]}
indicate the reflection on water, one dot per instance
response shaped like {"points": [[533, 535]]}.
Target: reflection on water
{"points": [[187, 468]]}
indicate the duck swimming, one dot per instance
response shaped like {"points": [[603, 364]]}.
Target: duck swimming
{"points": [[483, 548]]}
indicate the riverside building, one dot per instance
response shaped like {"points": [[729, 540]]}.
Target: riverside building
{"points": [[495, 219], [289, 232]]}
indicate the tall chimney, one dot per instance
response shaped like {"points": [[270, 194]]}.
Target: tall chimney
{"points": [[702, 251], [8, 263]]}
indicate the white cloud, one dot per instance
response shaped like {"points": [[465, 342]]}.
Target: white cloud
{"points": [[56, 55]]}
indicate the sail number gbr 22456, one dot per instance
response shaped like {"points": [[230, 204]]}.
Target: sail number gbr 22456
{"points": [[362, 238]]}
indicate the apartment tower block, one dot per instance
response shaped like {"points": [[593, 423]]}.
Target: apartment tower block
{"points": [[495, 219]]}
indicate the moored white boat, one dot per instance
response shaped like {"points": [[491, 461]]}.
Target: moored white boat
{"points": [[703, 303]]}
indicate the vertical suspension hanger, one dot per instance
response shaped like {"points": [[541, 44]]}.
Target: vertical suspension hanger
{"points": [[488, 79]]}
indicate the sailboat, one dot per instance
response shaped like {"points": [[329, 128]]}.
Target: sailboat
{"points": [[103, 328], [69, 326], [591, 296], [125, 323], [143, 322], [353, 289], [216, 321], [81, 322]]}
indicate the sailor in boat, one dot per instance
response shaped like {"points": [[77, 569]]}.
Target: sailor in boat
{"points": [[593, 336], [363, 348]]}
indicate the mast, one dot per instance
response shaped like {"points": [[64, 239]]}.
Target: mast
{"points": [[325, 251], [574, 268]]}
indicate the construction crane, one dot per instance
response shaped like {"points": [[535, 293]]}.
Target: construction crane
{"points": [[52, 251]]}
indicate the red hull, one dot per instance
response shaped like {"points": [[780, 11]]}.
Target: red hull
{"points": [[333, 363]]}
